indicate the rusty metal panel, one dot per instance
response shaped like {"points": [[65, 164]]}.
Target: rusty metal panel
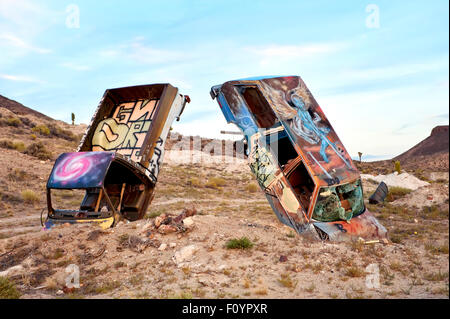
{"points": [[296, 156]]}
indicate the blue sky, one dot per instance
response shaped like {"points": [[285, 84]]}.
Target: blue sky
{"points": [[383, 85]]}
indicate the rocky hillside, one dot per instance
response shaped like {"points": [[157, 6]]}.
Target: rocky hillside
{"points": [[436, 143], [20, 109]]}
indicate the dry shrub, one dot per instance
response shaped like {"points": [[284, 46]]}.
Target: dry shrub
{"points": [[30, 196], [38, 150]]}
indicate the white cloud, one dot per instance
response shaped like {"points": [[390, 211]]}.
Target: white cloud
{"points": [[275, 53], [19, 78], [16, 42], [138, 51], [393, 71]]}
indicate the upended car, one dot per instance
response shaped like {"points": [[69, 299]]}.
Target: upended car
{"points": [[117, 163], [297, 158]]}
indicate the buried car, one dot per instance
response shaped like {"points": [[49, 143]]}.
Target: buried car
{"points": [[297, 158], [117, 163]]}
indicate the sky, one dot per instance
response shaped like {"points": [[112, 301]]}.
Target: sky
{"points": [[378, 69]]}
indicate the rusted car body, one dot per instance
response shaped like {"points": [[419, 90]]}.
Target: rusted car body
{"points": [[119, 157], [297, 158]]}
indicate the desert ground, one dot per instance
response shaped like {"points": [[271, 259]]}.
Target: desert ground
{"points": [[137, 260]]}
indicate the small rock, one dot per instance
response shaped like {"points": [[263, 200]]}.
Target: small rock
{"points": [[283, 258], [12, 271], [162, 247], [159, 219], [188, 222], [60, 292], [146, 227], [184, 254], [166, 229], [172, 245], [222, 267], [416, 221], [68, 290]]}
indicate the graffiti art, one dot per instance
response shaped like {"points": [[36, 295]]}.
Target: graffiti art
{"points": [[303, 168], [118, 160]]}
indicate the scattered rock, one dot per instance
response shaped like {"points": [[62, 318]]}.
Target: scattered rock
{"points": [[188, 222], [166, 229], [184, 254], [187, 212], [68, 290], [172, 245], [162, 247], [161, 219], [12, 271], [283, 258]]}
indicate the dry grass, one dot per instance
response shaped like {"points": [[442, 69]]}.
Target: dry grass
{"points": [[216, 182], [8, 290], [286, 281], [29, 196]]}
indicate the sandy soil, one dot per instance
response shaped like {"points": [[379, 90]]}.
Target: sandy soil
{"points": [[134, 260]]}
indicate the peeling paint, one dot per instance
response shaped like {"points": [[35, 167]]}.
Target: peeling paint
{"points": [[297, 158]]}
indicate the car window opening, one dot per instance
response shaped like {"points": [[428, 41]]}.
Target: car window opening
{"points": [[302, 184], [122, 187], [339, 203], [281, 146], [258, 106]]}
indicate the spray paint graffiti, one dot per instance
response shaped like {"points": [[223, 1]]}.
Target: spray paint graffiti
{"points": [[125, 131], [304, 163], [261, 162], [310, 129], [155, 162], [83, 169]]}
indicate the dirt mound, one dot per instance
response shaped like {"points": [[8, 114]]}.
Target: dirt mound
{"points": [[20, 109], [436, 143]]}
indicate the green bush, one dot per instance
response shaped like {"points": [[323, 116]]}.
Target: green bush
{"points": [[8, 290], [14, 121], [19, 146], [41, 129], [241, 243], [396, 193], [398, 167]]}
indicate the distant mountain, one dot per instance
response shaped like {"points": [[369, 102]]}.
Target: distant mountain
{"points": [[20, 109], [436, 143]]}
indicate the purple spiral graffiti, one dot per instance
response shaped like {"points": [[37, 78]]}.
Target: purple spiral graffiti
{"points": [[73, 167]]}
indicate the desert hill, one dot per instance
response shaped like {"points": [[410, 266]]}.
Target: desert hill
{"points": [[20, 109], [436, 143], [429, 155]]}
